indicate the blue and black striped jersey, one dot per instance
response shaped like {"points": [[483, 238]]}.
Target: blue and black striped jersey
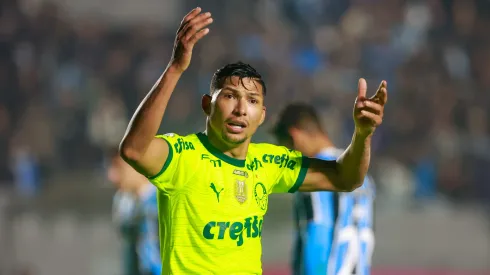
{"points": [[137, 219], [334, 231]]}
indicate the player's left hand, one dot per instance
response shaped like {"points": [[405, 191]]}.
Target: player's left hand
{"points": [[368, 112]]}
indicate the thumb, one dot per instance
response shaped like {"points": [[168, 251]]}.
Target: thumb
{"points": [[361, 88]]}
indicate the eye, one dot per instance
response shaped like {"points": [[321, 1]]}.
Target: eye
{"points": [[254, 101], [229, 96]]}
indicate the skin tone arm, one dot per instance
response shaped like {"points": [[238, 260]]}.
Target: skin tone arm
{"points": [[348, 172], [139, 147]]}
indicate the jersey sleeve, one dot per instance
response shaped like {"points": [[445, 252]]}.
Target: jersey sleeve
{"points": [[164, 179], [291, 167]]}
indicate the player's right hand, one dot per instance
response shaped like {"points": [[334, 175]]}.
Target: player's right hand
{"points": [[192, 29]]}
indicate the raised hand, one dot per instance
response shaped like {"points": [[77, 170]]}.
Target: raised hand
{"points": [[192, 29], [368, 112]]}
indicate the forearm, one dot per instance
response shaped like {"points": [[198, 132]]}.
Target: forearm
{"points": [[148, 117], [353, 164]]}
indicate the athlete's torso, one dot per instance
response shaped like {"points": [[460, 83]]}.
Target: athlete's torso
{"points": [[211, 206]]}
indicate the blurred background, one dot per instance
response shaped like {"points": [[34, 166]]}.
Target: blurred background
{"points": [[72, 73]]}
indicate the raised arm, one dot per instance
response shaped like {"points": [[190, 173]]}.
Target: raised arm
{"points": [[348, 171], [139, 147]]}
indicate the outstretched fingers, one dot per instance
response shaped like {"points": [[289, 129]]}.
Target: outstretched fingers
{"points": [[193, 13], [194, 26], [381, 96]]}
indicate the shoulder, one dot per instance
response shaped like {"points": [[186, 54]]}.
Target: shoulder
{"points": [[177, 137], [330, 153], [275, 156], [179, 143], [267, 152], [124, 204], [260, 149], [124, 198]]}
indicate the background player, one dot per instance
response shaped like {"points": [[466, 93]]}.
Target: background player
{"points": [[334, 230], [213, 187], [136, 213]]}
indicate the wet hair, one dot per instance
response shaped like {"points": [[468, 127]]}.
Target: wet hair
{"points": [[299, 115], [239, 69]]}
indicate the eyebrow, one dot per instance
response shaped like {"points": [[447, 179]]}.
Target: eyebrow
{"points": [[237, 91]]}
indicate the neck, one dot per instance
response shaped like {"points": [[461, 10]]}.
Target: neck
{"points": [[237, 151], [321, 143]]}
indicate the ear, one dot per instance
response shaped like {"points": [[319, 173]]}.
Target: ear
{"points": [[206, 104], [262, 118], [294, 132]]}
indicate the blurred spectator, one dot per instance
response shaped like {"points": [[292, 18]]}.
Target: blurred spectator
{"points": [[68, 87], [107, 121], [5, 121]]}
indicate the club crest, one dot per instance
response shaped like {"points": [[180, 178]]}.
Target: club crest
{"points": [[261, 196]]}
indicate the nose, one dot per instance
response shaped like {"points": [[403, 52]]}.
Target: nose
{"points": [[240, 107]]}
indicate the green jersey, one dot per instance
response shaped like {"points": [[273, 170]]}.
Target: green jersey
{"points": [[211, 206]]}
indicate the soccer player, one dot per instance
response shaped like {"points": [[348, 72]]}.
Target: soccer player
{"points": [[136, 213], [334, 231], [213, 186]]}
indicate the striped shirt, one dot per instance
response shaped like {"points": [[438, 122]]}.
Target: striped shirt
{"points": [[137, 219], [334, 231]]}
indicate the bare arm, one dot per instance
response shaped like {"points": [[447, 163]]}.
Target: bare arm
{"points": [[139, 147], [348, 171], [345, 174]]}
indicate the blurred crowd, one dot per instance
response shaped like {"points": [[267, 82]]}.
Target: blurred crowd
{"points": [[68, 86]]}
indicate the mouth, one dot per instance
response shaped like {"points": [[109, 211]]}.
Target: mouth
{"points": [[236, 126]]}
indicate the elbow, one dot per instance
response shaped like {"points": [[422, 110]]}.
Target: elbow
{"points": [[348, 184], [128, 153], [352, 185], [348, 180]]}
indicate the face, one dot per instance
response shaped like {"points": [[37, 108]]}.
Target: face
{"points": [[236, 110], [122, 175]]}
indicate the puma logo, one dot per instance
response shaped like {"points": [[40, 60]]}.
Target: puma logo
{"points": [[215, 190]]}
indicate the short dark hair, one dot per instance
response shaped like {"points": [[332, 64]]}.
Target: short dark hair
{"points": [[238, 69], [299, 115]]}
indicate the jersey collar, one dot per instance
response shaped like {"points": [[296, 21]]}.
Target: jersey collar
{"points": [[328, 151], [217, 153]]}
